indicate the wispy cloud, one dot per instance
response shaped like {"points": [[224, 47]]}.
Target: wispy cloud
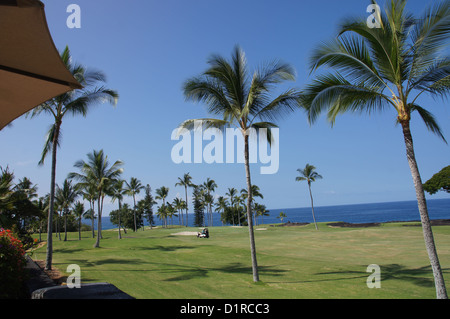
{"points": [[24, 163]]}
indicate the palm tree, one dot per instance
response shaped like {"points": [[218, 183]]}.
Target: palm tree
{"points": [[26, 186], [78, 211], [221, 205], [76, 102], [179, 205], [243, 101], [89, 192], [255, 193], [133, 188], [282, 216], [66, 197], [209, 186], [162, 213], [232, 195], [97, 171], [186, 182], [388, 68], [310, 175], [161, 194], [262, 211], [170, 211], [117, 192], [6, 191]]}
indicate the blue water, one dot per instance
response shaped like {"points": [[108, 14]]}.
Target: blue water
{"points": [[357, 213]]}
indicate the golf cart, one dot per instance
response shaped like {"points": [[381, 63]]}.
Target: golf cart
{"points": [[204, 233]]}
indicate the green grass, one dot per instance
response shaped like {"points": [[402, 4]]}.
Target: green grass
{"points": [[294, 262]]}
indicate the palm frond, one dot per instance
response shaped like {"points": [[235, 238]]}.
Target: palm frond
{"points": [[350, 56], [429, 120], [268, 126], [88, 98], [48, 146], [203, 124], [334, 93], [429, 36], [204, 89]]}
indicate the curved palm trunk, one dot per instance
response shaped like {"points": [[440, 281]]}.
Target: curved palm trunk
{"points": [[49, 256], [441, 292], [249, 212], [312, 205]]}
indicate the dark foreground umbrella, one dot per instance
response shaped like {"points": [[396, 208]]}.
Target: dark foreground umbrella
{"points": [[31, 70]]}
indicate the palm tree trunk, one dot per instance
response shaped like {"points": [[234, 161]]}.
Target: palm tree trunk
{"points": [[134, 213], [249, 212], [120, 209], [91, 205], [441, 292], [185, 190], [99, 224], [79, 228], [49, 257], [65, 226], [312, 205]]}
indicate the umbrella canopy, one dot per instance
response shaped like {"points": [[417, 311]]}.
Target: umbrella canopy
{"points": [[31, 70]]}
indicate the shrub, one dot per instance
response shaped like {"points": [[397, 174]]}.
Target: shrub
{"points": [[12, 265]]}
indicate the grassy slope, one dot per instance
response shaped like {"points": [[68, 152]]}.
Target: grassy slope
{"points": [[294, 262]]}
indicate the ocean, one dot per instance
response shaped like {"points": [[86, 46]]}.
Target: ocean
{"points": [[356, 213]]}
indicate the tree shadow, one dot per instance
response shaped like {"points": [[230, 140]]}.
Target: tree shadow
{"points": [[233, 268], [421, 276], [165, 248], [67, 250]]}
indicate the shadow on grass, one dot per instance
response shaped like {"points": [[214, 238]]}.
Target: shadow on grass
{"points": [[188, 273], [181, 272], [165, 248], [421, 276]]}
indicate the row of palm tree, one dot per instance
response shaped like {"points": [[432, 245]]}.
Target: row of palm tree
{"points": [[208, 203]]}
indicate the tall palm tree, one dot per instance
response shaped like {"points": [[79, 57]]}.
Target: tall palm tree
{"points": [[262, 211], [179, 205], [210, 185], [76, 102], [310, 175], [186, 181], [162, 214], [132, 188], [117, 191], [98, 171], [243, 101], [89, 193], [221, 205], [78, 211], [161, 194], [67, 194], [255, 193], [232, 195], [388, 68]]}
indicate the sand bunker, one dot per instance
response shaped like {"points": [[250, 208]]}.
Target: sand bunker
{"points": [[186, 233]]}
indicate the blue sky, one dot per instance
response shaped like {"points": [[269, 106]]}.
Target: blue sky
{"points": [[149, 48]]}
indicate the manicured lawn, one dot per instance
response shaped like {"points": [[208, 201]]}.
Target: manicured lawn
{"points": [[294, 262]]}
